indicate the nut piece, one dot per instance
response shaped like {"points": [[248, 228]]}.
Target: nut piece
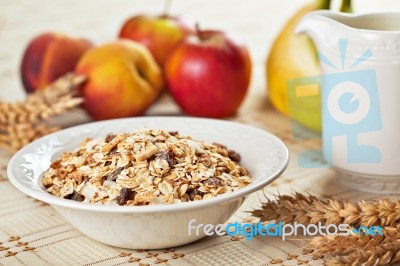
{"points": [[110, 145]]}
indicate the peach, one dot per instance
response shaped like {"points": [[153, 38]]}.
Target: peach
{"points": [[123, 80], [48, 57]]}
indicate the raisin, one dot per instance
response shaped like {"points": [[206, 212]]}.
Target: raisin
{"points": [[124, 196], [113, 151], [114, 174], [75, 196], [234, 156], [173, 133], [213, 182], [151, 158], [167, 155], [193, 193], [110, 137]]}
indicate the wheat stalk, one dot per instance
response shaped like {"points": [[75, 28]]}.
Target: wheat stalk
{"points": [[346, 250], [55, 99], [379, 255], [23, 122], [15, 137], [307, 209], [346, 244]]}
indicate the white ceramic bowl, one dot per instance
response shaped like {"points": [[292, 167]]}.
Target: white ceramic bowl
{"points": [[156, 226]]}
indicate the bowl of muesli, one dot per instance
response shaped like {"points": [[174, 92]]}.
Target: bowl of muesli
{"points": [[138, 182]]}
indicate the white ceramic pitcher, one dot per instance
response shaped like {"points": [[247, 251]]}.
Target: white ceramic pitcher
{"points": [[360, 60]]}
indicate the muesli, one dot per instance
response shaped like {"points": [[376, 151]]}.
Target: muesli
{"points": [[143, 168]]}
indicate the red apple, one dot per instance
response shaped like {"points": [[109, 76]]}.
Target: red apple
{"points": [[158, 33], [48, 57], [208, 74]]}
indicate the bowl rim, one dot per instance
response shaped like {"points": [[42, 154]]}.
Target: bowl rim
{"points": [[224, 198]]}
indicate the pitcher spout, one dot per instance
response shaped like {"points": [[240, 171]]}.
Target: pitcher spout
{"points": [[343, 36]]}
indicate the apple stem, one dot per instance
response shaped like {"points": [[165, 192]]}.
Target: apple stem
{"points": [[198, 31], [167, 7]]}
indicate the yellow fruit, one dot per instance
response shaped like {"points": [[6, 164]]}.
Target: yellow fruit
{"points": [[294, 56]]}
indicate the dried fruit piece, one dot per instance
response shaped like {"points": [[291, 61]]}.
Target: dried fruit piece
{"points": [[124, 196], [214, 182], [113, 175], [77, 197], [195, 192], [173, 133], [234, 156], [109, 137]]}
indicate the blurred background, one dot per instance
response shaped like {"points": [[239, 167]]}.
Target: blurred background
{"points": [[257, 22]]}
